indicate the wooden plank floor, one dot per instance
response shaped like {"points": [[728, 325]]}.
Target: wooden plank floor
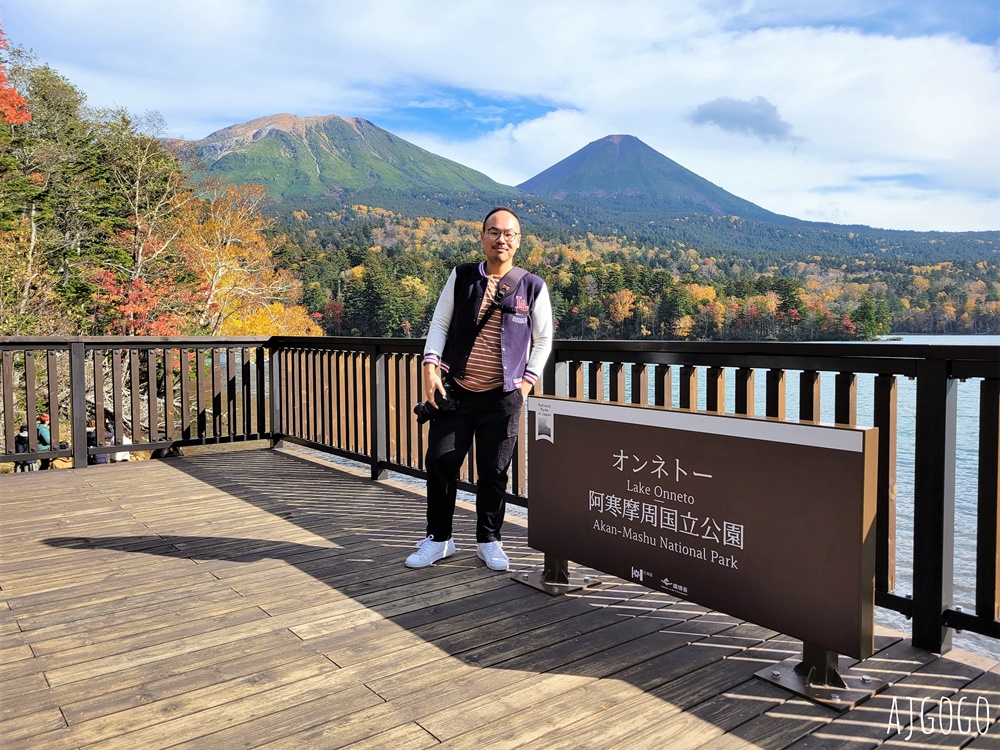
{"points": [[258, 600]]}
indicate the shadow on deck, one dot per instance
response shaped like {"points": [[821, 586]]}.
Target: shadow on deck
{"points": [[258, 600]]}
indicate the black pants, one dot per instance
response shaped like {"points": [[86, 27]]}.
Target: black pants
{"points": [[493, 419]]}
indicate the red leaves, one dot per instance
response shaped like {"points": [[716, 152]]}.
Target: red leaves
{"points": [[13, 107], [141, 307]]}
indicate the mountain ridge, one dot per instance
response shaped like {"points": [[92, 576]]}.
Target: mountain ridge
{"points": [[614, 185], [321, 155], [324, 155]]}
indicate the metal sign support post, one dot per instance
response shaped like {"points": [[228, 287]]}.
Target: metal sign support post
{"points": [[820, 678], [554, 578]]}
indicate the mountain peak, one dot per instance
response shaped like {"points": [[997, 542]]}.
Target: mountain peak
{"points": [[622, 166]]}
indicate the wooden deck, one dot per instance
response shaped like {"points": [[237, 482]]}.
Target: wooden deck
{"points": [[258, 600]]}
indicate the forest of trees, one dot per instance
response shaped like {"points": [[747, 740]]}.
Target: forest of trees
{"points": [[368, 271], [102, 232]]}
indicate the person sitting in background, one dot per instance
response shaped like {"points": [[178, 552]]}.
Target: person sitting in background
{"points": [[62, 462], [44, 438], [21, 445], [123, 455], [99, 458]]}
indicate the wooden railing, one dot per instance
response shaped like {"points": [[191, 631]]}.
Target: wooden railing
{"points": [[353, 397], [161, 392]]}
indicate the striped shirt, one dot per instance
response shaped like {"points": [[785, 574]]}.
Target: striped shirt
{"points": [[484, 370]]}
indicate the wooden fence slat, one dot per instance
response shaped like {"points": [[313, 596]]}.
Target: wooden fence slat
{"points": [[774, 388], [154, 420], [117, 392], [260, 359], [885, 415], [715, 389], [168, 394], [809, 396], [30, 402], [688, 398], [231, 392], [595, 381], [184, 375], [217, 392], [202, 386], [52, 380], [616, 382], [576, 379], [745, 395], [10, 426], [663, 386], [135, 396], [100, 415], [640, 384], [845, 400]]}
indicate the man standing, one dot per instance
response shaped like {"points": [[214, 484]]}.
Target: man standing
{"points": [[491, 354]]}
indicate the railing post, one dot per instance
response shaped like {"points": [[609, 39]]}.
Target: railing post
{"points": [[715, 389], [845, 400], [745, 395], [595, 381], [988, 516], [663, 386], [380, 414], [616, 382], [78, 402], [688, 398], [774, 394], [934, 505], [640, 384], [276, 384], [809, 396]]}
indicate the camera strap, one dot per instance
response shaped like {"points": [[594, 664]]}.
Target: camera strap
{"points": [[510, 281]]}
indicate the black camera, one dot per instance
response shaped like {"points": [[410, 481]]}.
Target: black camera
{"points": [[445, 402]]}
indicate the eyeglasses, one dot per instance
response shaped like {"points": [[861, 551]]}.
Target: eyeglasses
{"points": [[494, 234]]}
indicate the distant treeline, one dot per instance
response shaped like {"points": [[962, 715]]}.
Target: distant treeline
{"points": [[371, 271], [639, 222]]}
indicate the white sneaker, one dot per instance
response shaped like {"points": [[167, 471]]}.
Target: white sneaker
{"points": [[429, 552], [493, 555]]}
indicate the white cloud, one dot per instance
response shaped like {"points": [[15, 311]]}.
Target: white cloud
{"points": [[865, 88]]}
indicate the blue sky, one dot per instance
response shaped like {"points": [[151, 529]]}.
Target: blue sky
{"points": [[878, 112]]}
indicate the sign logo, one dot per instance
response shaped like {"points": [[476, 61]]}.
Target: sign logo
{"points": [[674, 588]]}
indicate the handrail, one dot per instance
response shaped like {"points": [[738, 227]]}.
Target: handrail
{"points": [[168, 392], [354, 396]]}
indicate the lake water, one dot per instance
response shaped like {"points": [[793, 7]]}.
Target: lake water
{"points": [[966, 479]]}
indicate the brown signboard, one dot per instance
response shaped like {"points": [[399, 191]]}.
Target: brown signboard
{"points": [[772, 522]]}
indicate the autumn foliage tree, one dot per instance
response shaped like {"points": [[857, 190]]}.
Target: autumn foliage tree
{"points": [[13, 107], [150, 189], [141, 307], [227, 246], [273, 320]]}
